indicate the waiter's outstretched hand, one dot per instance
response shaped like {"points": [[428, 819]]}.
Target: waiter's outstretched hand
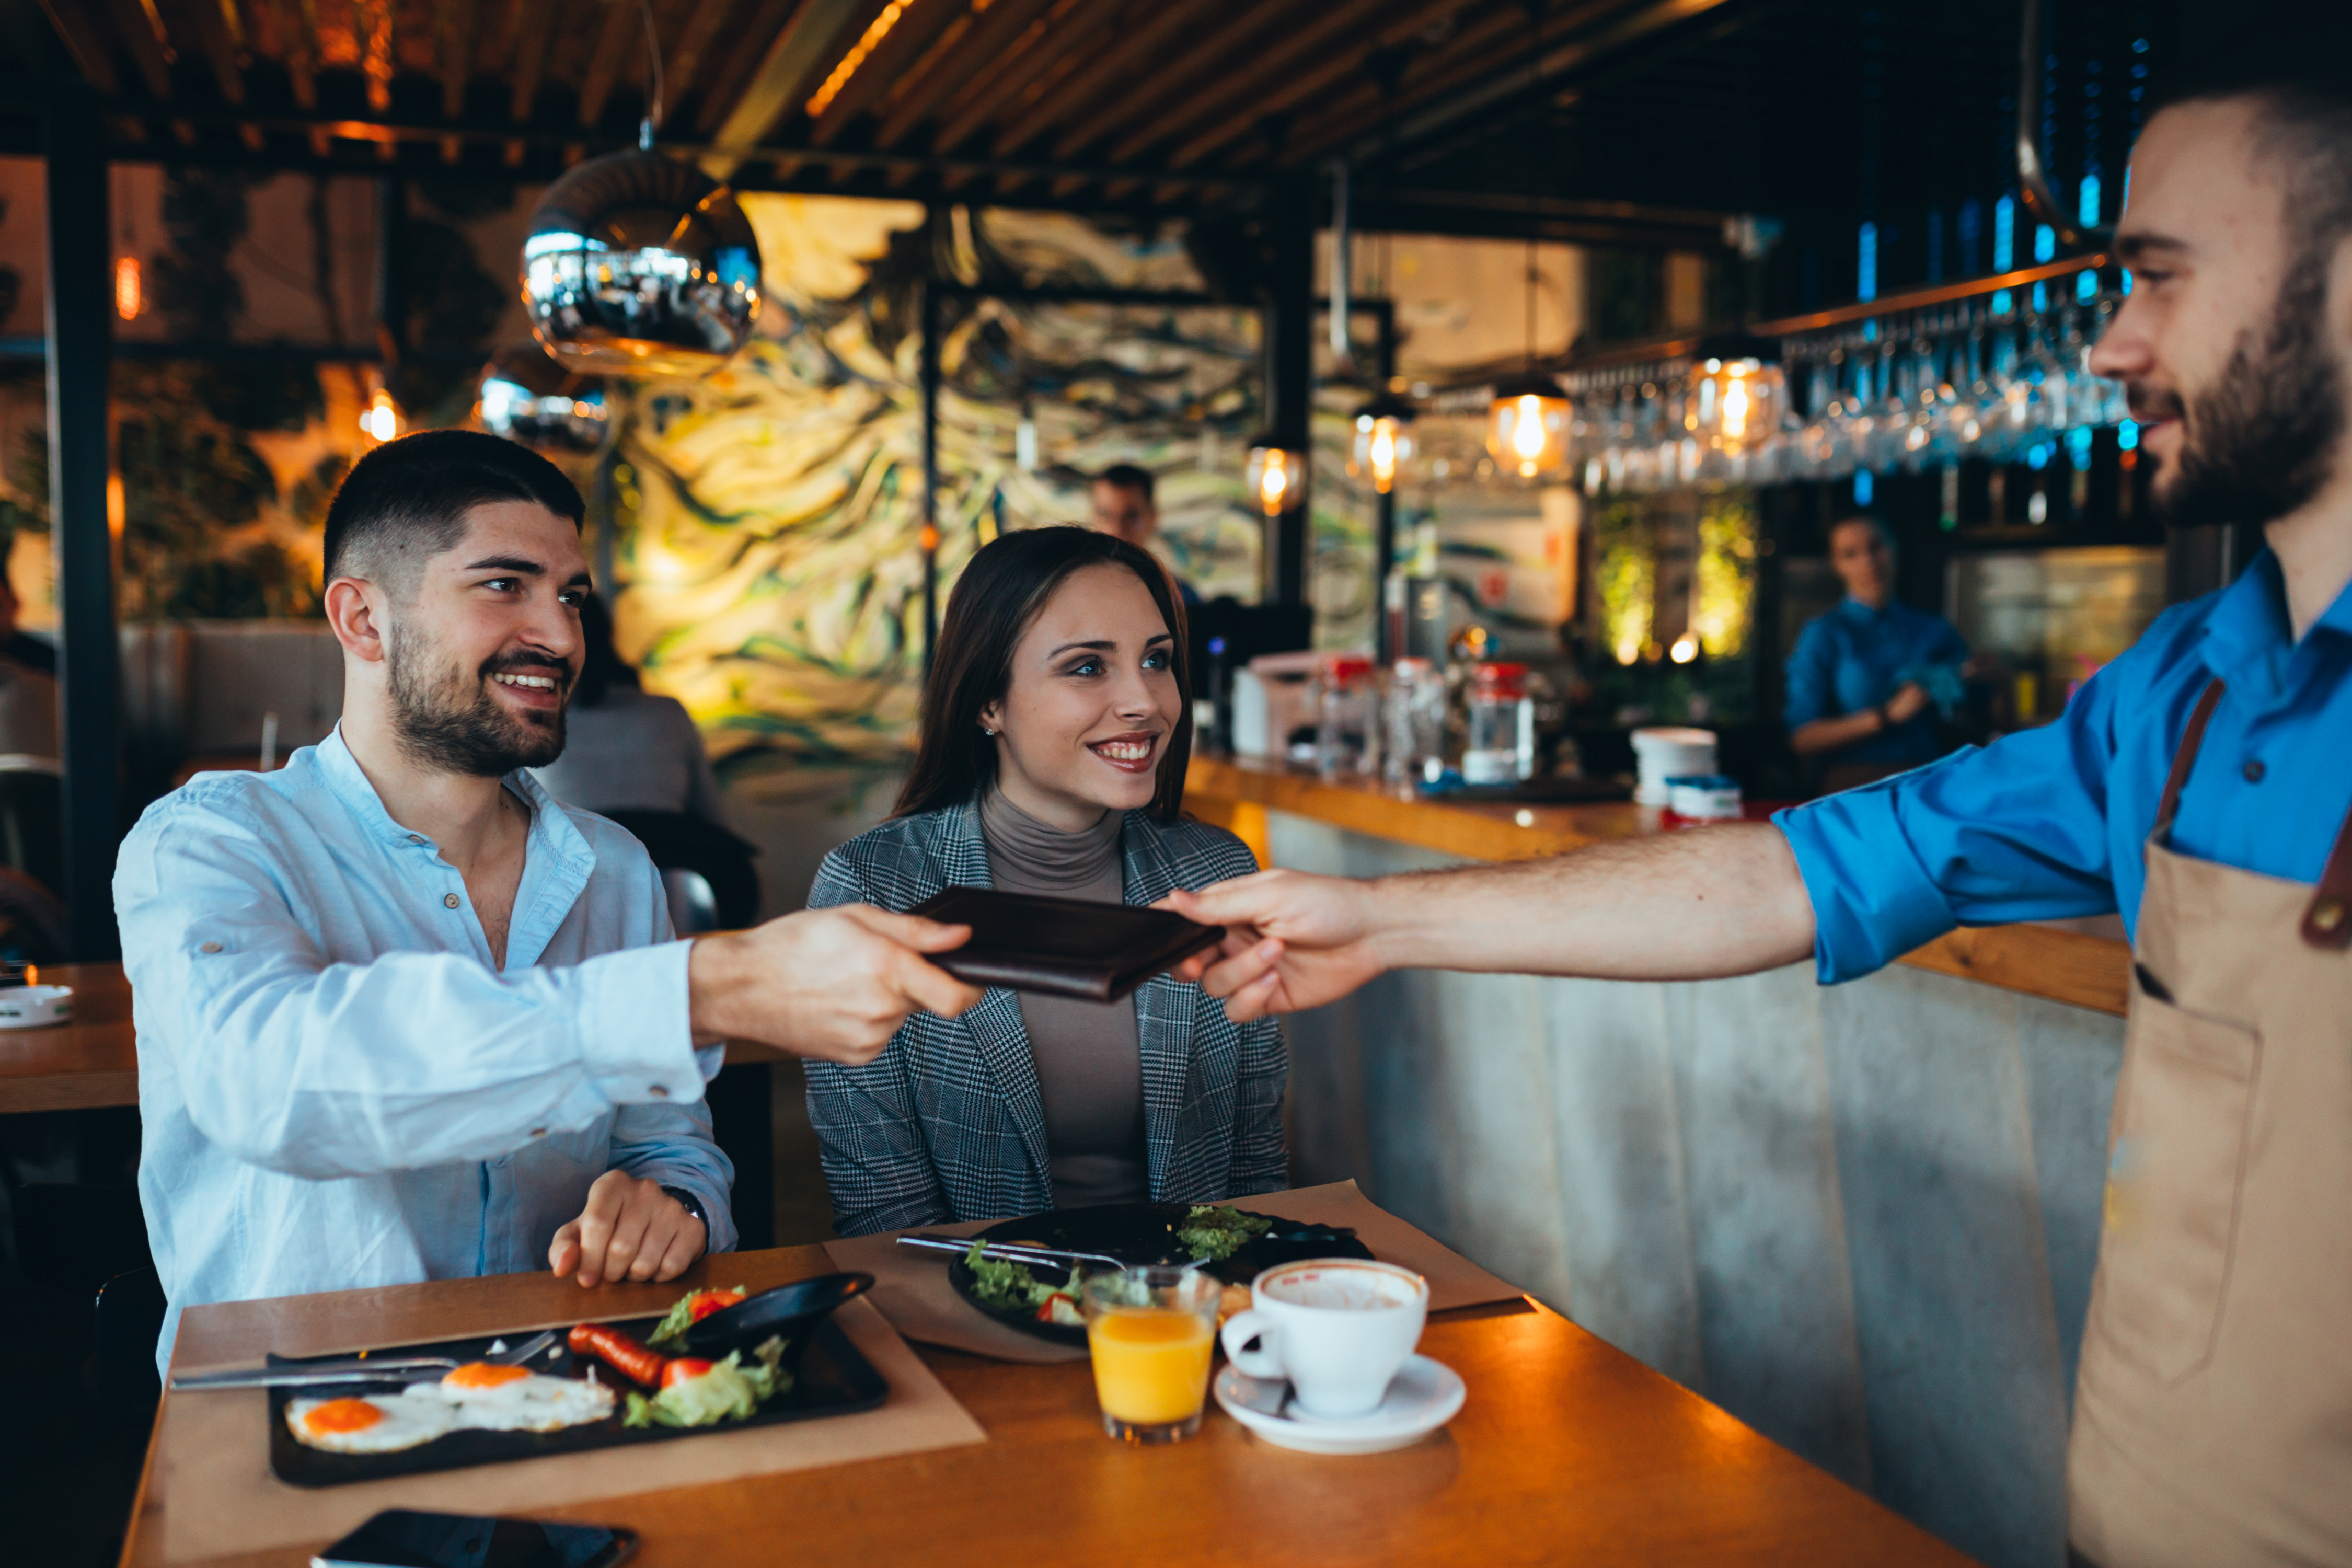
{"points": [[1292, 940], [830, 983]]}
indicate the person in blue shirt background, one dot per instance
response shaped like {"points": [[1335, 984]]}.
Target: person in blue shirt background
{"points": [[1866, 679], [2198, 786]]}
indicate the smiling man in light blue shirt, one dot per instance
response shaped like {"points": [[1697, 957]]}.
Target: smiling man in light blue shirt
{"points": [[404, 1016]]}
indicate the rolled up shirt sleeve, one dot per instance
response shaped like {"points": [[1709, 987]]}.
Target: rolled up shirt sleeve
{"points": [[327, 1069], [2013, 831]]}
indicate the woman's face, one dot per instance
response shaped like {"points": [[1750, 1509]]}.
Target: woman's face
{"points": [[1858, 552], [1092, 699]]}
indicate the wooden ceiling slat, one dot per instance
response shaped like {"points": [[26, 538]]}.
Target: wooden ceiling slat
{"points": [[201, 22], [137, 27], [802, 52], [1173, 77], [455, 18], [948, 70], [750, 44], [685, 63], [621, 22], [86, 42], [533, 23], [1324, 34], [1102, 77], [1482, 46], [1280, 96], [1073, 24], [922, 23]]}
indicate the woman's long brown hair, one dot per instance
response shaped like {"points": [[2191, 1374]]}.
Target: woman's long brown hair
{"points": [[1000, 592]]}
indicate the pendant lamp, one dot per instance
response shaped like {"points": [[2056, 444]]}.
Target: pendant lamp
{"points": [[1384, 440], [529, 398], [641, 265], [1277, 476], [1528, 422]]}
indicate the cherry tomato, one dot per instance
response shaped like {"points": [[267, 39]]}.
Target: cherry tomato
{"points": [[684, 1368], [1045, 1307], [702, 1303]]}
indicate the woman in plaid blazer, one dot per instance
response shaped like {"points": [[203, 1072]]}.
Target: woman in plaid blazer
{"points": [[948, 1123]]}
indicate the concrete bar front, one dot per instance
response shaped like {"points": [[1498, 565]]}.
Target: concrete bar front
{"points": [[1861, 1218]]}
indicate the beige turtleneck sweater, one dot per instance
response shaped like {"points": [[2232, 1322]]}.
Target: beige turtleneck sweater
{"points": [[1089, 1055]]}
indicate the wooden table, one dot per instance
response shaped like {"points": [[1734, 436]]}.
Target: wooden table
{"points": [[91, 1060], [1567, 1450]]}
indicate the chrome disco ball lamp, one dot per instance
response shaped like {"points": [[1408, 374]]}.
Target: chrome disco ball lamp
{"points": [[529, 398], [640, 265]]}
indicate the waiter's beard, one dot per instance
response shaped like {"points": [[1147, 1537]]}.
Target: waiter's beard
{"points": [[448, 720], [2260, 442]]}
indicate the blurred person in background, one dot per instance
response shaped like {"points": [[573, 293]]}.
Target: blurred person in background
{"points": [[1868, 678], [1125, 507]]}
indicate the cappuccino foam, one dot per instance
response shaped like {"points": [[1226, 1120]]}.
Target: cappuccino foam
{"points": [[1341, 1289]]}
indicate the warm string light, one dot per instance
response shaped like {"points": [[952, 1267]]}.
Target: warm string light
{"points": [[380, 420], [1274, 482], [847, 66], [129, 296]]}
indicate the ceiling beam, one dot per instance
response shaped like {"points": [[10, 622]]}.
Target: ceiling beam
{"points": [[1171, 78], [685, 58], [534, 25], [221, 31], [621, 22], [457, 46], [795, 61], [1080, 89], [1071, 25], [141, 32], [1280, 96], [922, 22], [752, 38], [1315, 37], [997, 29]]}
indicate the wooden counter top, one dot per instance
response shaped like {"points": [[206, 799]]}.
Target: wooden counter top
{"points": [[2050, 961]]}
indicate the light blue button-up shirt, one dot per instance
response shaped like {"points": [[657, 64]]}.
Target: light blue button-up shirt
{"points": [[2050, 822], [338, 1087]]}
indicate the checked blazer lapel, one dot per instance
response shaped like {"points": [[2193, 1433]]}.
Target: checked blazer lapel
{"points": [[1163, 1009], [999, 1036]]}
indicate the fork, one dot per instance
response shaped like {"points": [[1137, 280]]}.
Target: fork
{"points": [[357, 1369]]}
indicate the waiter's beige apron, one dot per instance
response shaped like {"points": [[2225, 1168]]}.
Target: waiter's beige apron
{"points": [[2214, 1410]]}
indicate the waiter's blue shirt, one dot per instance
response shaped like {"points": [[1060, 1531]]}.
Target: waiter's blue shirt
{"points": [[339, 1087], [1849, 659], [2050, 822]]}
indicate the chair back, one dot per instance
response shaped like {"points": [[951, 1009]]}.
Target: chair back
{"points": [[32, 820]]}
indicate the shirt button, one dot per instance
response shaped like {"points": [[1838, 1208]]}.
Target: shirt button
{"points": [[209, 947], [450, 899], [539, 1132], [2255, 770], [417, 839], [658, 1092]]}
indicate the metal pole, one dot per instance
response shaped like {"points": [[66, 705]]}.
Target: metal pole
{"points": [[1384, 502], [1290, 375], [930, 538], [78, 331]]}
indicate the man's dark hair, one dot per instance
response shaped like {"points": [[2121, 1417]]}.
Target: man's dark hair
{"points": [[406, 501], [1128, 476], [2297, 77]]}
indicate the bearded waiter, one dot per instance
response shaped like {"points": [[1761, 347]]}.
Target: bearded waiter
{"points": [[2202, 786]]}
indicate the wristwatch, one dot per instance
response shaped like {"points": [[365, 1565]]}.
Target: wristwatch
{"points": [[690, 1203]]}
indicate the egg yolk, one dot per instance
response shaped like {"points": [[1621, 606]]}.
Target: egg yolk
{"points": [[343, 1415], [482, 1374]]}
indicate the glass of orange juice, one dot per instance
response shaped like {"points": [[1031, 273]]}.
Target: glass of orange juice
{"points": [[1149, 1331]]}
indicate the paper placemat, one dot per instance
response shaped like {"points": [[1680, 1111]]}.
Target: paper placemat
{"points": [[913, 1290], [214, 1493]]}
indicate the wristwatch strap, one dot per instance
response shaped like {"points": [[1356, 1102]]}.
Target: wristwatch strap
{"points": [[690, 1203]]}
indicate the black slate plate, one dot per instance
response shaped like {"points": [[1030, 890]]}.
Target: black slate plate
{"points": [[833, 1379], [1140, 1234]]}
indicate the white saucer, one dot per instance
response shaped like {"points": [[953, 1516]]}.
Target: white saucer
{"points": [[36, 1006], [1424, 1395]]}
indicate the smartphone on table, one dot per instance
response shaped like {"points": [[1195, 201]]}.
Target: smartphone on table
{"points": [[401, 1538]]}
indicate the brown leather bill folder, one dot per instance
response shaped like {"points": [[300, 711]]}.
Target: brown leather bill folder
{"points": [[1064, 947]]}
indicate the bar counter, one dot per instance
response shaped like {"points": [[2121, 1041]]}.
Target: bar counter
{"points": [[1862, 1218]]}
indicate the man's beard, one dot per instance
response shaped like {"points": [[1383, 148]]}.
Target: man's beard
{"points": [[2261, 441], [452, 723]]}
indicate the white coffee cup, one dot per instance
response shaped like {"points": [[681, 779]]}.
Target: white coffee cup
{"points": [[1337, 1328]]}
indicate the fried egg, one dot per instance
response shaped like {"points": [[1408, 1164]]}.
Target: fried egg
{"points": [[372, 1423], [514, 1399]]}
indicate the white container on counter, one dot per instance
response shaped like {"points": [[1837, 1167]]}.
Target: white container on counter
{"points": [[1660, 754], [1704, 797]]}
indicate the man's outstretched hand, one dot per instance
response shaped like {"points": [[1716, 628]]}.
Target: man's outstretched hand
{"points": [[830, 983], [631, 1229], [1292, 940]]}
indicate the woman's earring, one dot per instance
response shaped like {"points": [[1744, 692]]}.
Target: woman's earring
{"points": [[987, 731]]}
